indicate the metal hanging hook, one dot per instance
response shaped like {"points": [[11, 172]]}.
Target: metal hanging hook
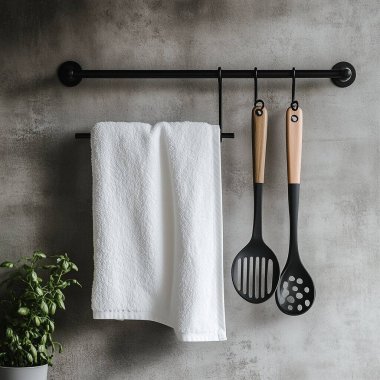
{"points": [[294, 103], [220, 88], [257, 102], [223, 135]]}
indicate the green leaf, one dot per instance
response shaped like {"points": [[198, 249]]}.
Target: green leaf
{"points": [[53, 308], [60, 294], [64, 285], [23, 311], [44, 339], [29, 295], [34, 276], [42, 348], [6, 264], [33, 352], [65, 265], [9, 333], [30, 358], [52, 326], [39, 255], [37, 321], [51, 344], [60, 303], [49, 266], [74, 267], [44, 307], [39, 291], [60, 348], [76, 282]]}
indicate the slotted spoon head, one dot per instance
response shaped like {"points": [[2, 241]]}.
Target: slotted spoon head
{"points": [[295, 292], [255, 272]]}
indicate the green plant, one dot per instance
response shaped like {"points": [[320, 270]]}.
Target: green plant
{"points": [[30, 294]]}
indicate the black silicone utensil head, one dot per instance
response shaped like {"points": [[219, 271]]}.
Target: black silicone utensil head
{"points": [[295, 292], [255, 272], [255, 269]]}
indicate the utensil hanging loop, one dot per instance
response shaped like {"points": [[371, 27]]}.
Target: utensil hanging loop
{"points": [[258, 102], [294, 103]]}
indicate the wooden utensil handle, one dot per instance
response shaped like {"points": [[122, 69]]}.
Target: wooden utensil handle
{"points": [[294, 144], [259, 136]]}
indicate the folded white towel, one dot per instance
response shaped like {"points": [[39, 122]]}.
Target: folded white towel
{"points": [[158, 226]]}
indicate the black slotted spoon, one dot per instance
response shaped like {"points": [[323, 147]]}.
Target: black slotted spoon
{"points": [[255, 269], [295, 292]]}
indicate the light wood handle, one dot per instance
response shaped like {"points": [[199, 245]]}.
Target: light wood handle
{"points": [[294, 144], [259, 143]]}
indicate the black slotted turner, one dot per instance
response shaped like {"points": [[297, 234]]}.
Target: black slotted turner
{"points": [[295, 292], [255, 269]]}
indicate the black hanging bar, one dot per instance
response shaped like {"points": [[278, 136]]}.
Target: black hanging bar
{"points": [[70, 74]]}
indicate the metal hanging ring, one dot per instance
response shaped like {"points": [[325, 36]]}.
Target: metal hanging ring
{"points": [[259, 104], [294, 103]]}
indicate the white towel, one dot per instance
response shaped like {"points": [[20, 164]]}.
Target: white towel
{"points": [[158, 226]]}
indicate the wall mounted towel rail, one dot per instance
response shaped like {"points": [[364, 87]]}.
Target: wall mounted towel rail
{"points": [[70, 73]]}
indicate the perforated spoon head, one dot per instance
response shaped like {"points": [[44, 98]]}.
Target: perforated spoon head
{"points": [[255, 272], [295, 292]]}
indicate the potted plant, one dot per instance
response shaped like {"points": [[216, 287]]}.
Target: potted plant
{"points": [[30, 294]]}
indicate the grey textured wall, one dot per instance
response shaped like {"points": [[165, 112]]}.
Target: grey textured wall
{"points": [[45, 195]]}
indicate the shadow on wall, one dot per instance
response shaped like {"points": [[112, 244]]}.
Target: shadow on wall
{"points": [[127, 342], [35, 34], [23, 24]]}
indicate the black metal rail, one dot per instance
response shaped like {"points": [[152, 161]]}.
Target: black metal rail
{"points": [[70, 73]]}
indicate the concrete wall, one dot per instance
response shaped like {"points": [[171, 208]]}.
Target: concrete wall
{"points": [[45, 194]]}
